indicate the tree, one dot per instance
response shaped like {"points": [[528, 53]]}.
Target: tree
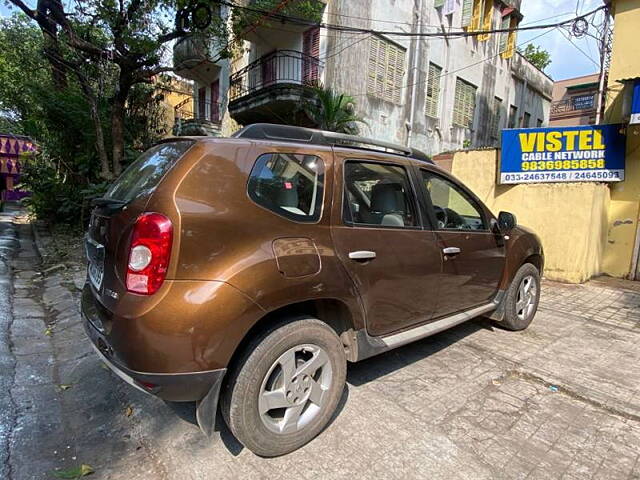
{"points": [[129, 36], [537, 56], [59, 117], [332, 111]]}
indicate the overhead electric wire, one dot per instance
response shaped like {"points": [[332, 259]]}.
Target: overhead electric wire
{"points": [[568, 37], [457, 33], [486, 59]]}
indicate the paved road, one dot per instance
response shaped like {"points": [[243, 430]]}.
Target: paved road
{"points": [[559, 400]]}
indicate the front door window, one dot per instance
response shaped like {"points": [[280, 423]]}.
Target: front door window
{"points": [[474, 256]]}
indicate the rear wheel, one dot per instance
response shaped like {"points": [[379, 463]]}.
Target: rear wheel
{"points": [[521, 301], [286, 387]]}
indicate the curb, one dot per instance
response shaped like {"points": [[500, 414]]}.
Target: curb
{"points": [[37, 240]]}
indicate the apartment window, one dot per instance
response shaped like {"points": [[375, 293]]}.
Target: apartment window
{"points": [[526, 120], [513, 116], [508, 39], [433, 90], [464, 103], [487, 19], [539, 123], [467, 12], [386, 69], [495, 117]]}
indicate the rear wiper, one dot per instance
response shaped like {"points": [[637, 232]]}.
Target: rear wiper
{"points": [[104, 202]]}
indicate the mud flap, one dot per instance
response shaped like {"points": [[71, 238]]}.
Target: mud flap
{"points": [[207, 409], [498, 313]]}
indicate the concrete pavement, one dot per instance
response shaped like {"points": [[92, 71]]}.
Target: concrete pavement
{"points": [[559, 400]]}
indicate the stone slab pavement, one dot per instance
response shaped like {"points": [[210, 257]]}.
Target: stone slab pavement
{"points": [[559, 400]]}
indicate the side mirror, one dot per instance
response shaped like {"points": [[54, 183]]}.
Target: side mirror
{"points": [[506, 221]]}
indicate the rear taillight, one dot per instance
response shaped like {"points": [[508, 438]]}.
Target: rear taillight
{"points": [[149, 253]]}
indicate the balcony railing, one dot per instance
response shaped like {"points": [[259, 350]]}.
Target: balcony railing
{"points": [[280, 67], [207, 112], [574, 104]]}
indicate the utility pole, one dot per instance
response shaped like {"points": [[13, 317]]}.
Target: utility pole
{"points": [[604, 51]]}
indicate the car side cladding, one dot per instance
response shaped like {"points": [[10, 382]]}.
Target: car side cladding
{"points": [[273, 252]]}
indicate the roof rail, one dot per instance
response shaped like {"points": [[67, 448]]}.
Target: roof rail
{"points": [[271, 131]]}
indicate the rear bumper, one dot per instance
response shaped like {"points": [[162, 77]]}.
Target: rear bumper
{"points": [[177, 387]]}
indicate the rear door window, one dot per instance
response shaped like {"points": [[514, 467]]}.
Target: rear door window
{"points": [[378, 194], [144, 174], [289, 184]]}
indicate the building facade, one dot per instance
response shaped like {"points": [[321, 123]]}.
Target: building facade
{"points": [[575, 101], [431, 93], [14, 149], [622, 243]]}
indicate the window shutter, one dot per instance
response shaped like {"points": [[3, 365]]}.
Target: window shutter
{"points": [[510, 49], [495, 117], [487, 21], [433, 90], [476, 19], [438, 3], [373, 66], [467, 12], [385, 70], [504, 36], [464, 103], [310, 48]]}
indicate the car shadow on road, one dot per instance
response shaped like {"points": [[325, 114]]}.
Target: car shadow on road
{"points": [[186, 411], [373, 368]]}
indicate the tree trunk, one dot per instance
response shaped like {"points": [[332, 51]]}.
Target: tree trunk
{"points": [[117, 133], [105, 171]]}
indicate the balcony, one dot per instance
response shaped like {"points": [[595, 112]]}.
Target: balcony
{"points": [[205, 121], [272, 88], [196, 57], [580, 105]]}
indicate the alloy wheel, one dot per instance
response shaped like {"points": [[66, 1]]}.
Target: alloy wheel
{"points": [[527, 297], [295, 388]]}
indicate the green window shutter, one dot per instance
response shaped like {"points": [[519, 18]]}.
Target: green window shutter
{"points": [[385, 70], [470, 104], [458, 103], [467, 12], [495, 117], [464, 104], [504, 36], [433, 90], [438, 3]]}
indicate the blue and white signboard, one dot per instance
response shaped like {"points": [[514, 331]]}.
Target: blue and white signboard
{"points": [[635, 104], [590, 153]]}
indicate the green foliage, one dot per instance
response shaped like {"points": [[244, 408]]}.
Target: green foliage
{"points": [[539, 57], [332, 111], [67, 171], [309, 10]]}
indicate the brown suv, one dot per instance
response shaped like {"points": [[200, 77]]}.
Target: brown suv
{"points": [[252, 268]]}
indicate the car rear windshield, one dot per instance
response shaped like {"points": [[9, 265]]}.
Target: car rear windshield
{"points": [[144, 174]]}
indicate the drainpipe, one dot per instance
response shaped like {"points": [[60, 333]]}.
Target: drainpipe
{"points": [[415, 72]]}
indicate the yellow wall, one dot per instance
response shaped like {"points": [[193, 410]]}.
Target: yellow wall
{"points": [[174, 91], [569, 218], [625, 196]]}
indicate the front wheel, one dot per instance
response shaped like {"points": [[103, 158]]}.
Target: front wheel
{"points": [[521, 301], [286, 387]]}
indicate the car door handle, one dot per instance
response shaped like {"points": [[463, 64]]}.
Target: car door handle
{"points": [[451, 251], [361, 255]]}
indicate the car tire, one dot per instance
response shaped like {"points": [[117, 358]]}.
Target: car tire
{"points": [[298, 367], [522, 297]]}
